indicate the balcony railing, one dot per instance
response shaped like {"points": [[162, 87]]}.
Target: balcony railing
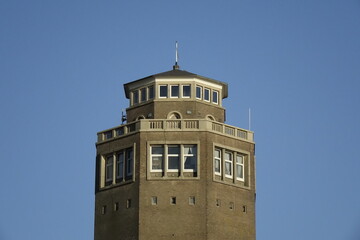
{"points": [[144, 125]]}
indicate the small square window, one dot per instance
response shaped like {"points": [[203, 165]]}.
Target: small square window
{"points": [[192, 200], [173, 200], [163, 91], [116, 206], [186, 91], [231, 205], [174, 91], [244, 208], [207, 94], [128, 203], [103, 210], [154, 200]]}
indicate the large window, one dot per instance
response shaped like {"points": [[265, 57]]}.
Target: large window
{"points": [[177, 157], [239, 167], [157, 157], [119, 163], [228, 164], [217, 161], [231, 166]]}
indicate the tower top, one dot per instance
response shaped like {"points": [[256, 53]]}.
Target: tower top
{"points": [[176, 66]]}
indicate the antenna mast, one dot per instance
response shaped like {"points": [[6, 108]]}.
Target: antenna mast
{"points": [[176, 66]]}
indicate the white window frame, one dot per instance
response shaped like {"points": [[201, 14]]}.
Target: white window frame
{"points": [[109, 165], [242, 165], [182, 88], [209, 91], [157, 155], [219, 160], [184, 155], [217, 97], [178, 155], [201, 92], [167, 90], [171, 91], [229, 161], [120, 163]]}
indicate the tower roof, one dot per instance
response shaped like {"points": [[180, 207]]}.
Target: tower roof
{"points": [[175, 73]]}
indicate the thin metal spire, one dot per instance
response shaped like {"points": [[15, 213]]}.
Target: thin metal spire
{"points": [[176, 66]]}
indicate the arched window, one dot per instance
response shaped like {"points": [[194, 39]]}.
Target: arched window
{"points": [[174, 115], [140, 117], [209, 117]]}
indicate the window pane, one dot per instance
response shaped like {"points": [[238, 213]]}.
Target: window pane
{"points": [[207, 94], [217, 153], [190, 149], [186, 91], [174, 149], [239, 159], [190, 162], [151, 92], [215, 96], [109, 168], [217, 165], [157, 162], [157, 150], [239, 171], [175, 91], [163, 91], [198, 92], [173, 163], [120, 165], [135, 97], [129, 162], [143, 94], [227, 168]]}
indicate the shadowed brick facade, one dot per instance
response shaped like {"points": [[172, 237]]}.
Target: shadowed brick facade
{"points": [[175, 170]]}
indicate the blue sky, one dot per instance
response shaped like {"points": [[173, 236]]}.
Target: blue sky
{"points": [[294, 63]]}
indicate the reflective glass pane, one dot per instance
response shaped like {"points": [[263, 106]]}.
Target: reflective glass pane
{"points": [[175, 149], [175, 91], [227, 168], [157, 150], [239, 171], [163, 91], [217, 165], [189, 149]]}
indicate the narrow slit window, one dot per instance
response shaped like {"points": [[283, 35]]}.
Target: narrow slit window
{"points": [[215, 97], [151, 92], [136, 97], [191, 200], [103, 210], [109, 165], [143, 94], [154, 200], [217, 161], [116, 206], [128, 203], [173, 200]]}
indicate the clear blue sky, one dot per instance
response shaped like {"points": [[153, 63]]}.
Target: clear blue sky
{"points": [[295, 63]]}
